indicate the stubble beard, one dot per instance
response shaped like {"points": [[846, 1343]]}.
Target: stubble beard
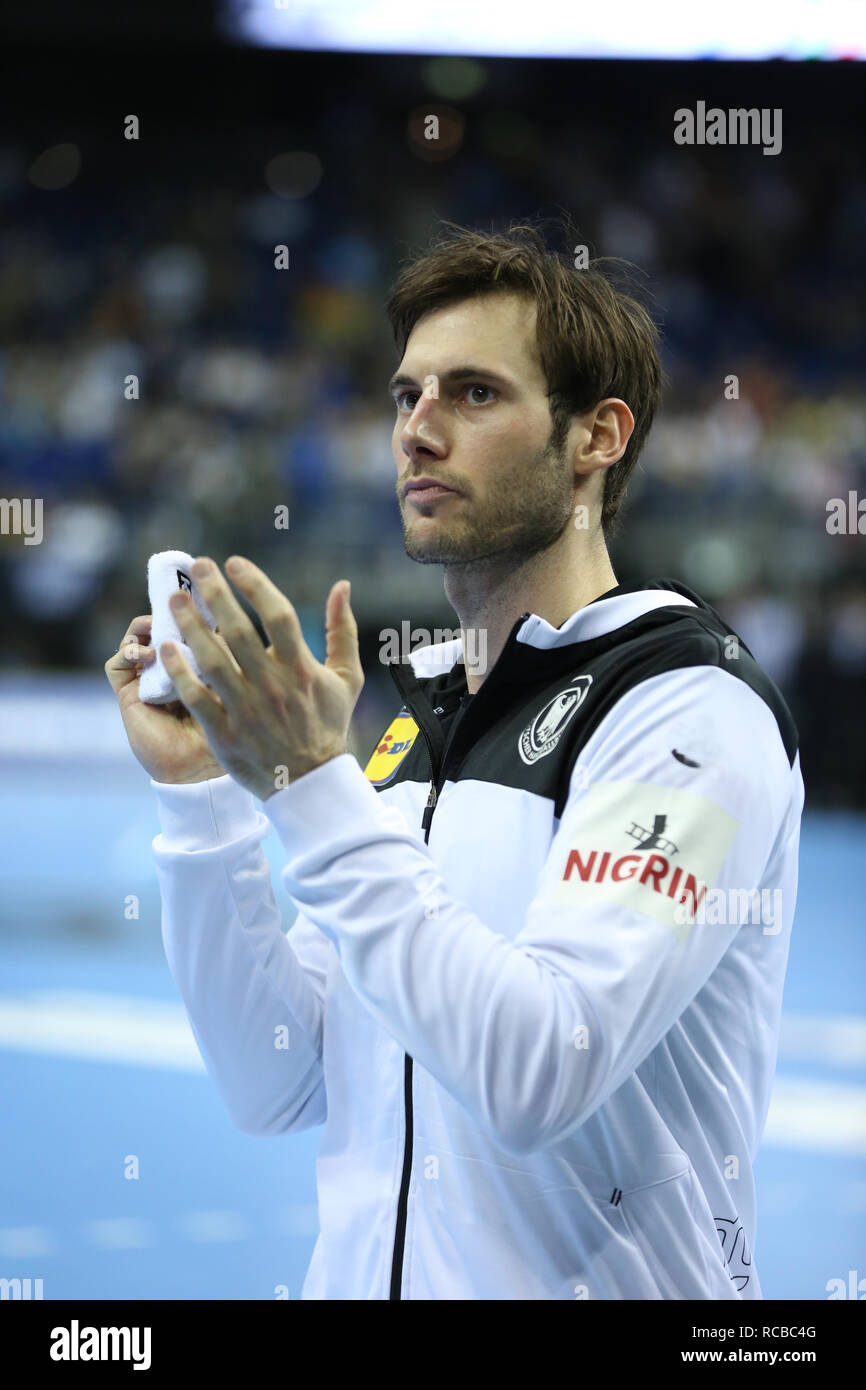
{"points": [[526, 514]]}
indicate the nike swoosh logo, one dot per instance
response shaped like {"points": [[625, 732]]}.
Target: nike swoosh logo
{"points": [[681, 758]]}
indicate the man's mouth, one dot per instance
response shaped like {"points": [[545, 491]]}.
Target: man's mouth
{"points": [[419, 495], [422, 490]]}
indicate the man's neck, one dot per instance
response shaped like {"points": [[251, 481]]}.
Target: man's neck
{"points": [[489, 596]]}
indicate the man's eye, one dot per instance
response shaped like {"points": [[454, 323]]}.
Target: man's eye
{"points": [[406, 400], [478, 387]]}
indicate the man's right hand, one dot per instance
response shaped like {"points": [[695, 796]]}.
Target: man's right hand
{"points": [[166, 739]]}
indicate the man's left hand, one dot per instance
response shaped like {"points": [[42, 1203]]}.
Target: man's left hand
{"points": [[274, 712]]}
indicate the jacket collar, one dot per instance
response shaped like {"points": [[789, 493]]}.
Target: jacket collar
{"points": [[596, 619]]}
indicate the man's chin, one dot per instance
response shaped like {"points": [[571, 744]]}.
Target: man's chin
{"points": [[428, 555], [437, 551]]}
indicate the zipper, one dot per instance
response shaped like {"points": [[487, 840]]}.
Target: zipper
{"points": [[428, 811], [408, 1104], [437, 768]]}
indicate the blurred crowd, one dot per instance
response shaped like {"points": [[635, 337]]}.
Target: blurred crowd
{"points": [[163, 385]]}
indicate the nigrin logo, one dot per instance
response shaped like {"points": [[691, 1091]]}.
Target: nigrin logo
{"points": [[644, 846], [597, 866]]}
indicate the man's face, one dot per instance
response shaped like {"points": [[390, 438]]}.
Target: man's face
{"points": [[473, 414]]}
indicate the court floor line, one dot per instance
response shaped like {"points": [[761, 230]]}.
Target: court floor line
{"points": [[820, 1115], [134, 1233], [100, 1027]]}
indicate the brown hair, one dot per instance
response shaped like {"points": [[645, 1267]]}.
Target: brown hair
{"points": [[594, 340]]}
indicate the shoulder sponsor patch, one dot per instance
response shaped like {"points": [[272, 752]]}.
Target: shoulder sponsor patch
{"points": [[391, 749], [647, 847]]}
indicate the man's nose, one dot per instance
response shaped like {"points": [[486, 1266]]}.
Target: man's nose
{"points": [[423, 429]]}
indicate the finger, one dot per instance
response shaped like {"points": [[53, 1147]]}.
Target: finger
{"points": [[228, 651], [193, 693], [213, 657], [138, 630], [279, 618], [132, 656], [341, 636], [235, 627], [126, 664], [137, 634], [137, 655]]}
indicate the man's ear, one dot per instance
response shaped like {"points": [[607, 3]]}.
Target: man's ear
{"points": [[608, 428]]}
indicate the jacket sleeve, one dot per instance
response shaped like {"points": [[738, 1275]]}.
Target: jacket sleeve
{"points": [[253, 994], [532, 1034]]}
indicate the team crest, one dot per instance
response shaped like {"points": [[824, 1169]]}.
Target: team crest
{"points": [[543, 734], [391, 749]]}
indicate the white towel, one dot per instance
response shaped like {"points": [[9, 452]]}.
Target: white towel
{"points": [[168, 571]]}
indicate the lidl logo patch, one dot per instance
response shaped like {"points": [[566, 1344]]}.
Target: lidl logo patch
{"points": [[391, 749]]}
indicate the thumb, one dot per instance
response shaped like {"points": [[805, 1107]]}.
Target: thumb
{"points": [[341, 636]]}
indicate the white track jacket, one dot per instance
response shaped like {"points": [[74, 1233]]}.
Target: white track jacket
{"points": [[532, 994]]}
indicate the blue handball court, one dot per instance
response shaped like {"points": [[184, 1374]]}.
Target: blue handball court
{"points": [[101, 1077]]}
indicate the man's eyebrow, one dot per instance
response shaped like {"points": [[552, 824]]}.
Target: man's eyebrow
{"points": [[453, 374]]}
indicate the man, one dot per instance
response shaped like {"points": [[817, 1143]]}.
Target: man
{"points": [[533, 991]]}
